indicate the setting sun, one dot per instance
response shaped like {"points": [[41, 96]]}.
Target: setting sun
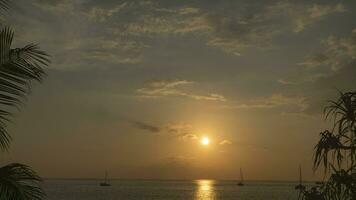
{"points": [[205, 141]]}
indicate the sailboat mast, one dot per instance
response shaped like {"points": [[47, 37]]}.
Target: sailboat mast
{"points": [[241, 176], [106, 176], [300, 174]]}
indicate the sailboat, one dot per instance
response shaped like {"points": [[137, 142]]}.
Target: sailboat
{"points": [[106, 182], [300, 186], [240, 183]]}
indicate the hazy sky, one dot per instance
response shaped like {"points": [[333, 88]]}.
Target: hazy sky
{"points": [[134, 85]]}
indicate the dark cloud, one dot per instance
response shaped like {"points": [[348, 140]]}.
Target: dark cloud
{"points": [[257, 26], [119, 33], [182, 131], [147, 127]]}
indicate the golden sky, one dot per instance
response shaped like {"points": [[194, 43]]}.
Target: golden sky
{"points": [[135, 85]]}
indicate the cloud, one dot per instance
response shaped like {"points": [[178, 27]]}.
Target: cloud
{"points": [[329, 70], [86, 38], [182, 131], [180, 160], [210, 97], [93, 34], [259, 26], [315, 13], [301, 15], [188, 10], [338, 53], [79, 8], [326, 88], [298, 103], [159, 88], [286, 82], [225, 142], [189, 136], [173, 23], [99, 14], [147, 127], [87, 51], [166, 84], [231, 29], [57, 6], [170, 87], [303, 77]]}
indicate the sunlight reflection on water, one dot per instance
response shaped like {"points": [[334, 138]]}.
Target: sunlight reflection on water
{"points": [[205, 190], [164, 190]]}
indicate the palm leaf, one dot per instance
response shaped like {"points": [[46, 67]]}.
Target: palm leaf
{"points": [[4, 4], [18, 68], [19, 182]]}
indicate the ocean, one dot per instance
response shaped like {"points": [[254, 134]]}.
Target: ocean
{"points": [[168, 189]]}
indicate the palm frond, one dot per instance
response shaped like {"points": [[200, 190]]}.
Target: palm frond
{"points": [[18, 68], [336, 151], [18, 181], [328, 143], [4, 4]]}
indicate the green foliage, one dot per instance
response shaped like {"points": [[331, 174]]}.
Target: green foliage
{"points": [[336, 152]]}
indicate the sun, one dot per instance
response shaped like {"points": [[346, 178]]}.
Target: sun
{"points": [[205, 141]]}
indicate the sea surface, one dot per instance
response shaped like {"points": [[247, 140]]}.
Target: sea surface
{"points": [[166, 190]]}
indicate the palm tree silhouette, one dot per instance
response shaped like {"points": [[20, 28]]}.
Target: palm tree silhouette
{"points": [[336, 151], [19, 67]]}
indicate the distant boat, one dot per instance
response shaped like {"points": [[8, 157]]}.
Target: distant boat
{"points": [[106, 182], [300, 186], [241, 182]]}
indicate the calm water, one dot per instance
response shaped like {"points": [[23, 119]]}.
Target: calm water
{"points": [[166, 190]]}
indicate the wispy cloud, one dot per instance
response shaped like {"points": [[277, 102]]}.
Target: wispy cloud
{"points": [[180, 160], [234, 33], [225, 142], [118, 33], [274, 101], [287, 82], [314, 13], [56, 6], [182, 131], [170, 87], [99, 14], [147, 127], [338, 53], [86, 40]]}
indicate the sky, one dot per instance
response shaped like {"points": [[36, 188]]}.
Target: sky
{"points": [[134, 85]]}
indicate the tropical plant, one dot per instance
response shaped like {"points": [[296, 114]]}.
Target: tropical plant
{"points": [[336, 152], [19, 67], [19, 182]]}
